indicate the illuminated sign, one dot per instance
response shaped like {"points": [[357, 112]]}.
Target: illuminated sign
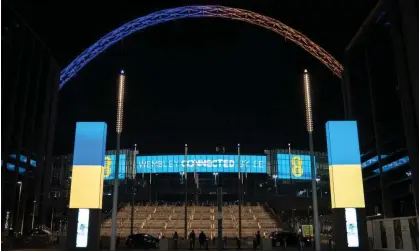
{"points": [[293, 166], [307, 230], [344, 159], [82, 228], [86, 189], [351, 227], [109, 168], [201, 164]]}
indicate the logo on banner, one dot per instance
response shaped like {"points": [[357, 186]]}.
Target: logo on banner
{"points": [[107, 167], [297, 166]]}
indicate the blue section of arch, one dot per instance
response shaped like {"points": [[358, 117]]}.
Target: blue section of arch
{"points": [[196, 12]]}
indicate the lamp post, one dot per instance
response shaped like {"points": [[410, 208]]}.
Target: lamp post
{"points": [[309, 121], [308, 215], [240, 191], [133, 191], [289, 156], [186, 191], [33, 214], [276, 187], [119, 120], [18, 202]]}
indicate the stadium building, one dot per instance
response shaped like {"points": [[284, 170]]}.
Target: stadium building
{"points": [[30, 81], [277, 183], [397, 181]]}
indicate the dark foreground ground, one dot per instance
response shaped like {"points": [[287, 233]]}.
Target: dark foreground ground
{"points": [[42, 244]]}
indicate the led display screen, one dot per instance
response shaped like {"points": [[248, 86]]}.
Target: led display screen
{"points": [[109, 168], [351, 227], [82, 228], [201, 164], [293, 166]]}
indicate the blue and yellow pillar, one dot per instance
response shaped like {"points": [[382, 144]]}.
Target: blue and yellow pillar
{"points": [[86, 193], [346, 186]]}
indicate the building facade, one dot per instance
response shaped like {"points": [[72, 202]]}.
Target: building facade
{"points": [[273, 176], [29, 101]]}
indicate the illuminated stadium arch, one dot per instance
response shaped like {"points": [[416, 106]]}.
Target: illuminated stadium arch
{"points": [[193, 12]]}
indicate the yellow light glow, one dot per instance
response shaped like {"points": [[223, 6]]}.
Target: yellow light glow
{"points": [[346, 186], [121, 94], [86, 187], [307, 92]]}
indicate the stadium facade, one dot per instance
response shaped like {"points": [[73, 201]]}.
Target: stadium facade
{"points": [[275, 174], [278, 177]]}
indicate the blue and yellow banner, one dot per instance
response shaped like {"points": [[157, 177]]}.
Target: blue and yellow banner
{"points": [[88, 165], [345, 171]]}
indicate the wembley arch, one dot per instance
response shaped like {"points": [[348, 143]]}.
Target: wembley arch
{"points": [[199, 12]]}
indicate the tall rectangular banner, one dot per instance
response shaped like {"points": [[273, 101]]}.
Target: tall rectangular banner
{"points": [[88, 162], [86, 192], [346, 186], [344, 158]]}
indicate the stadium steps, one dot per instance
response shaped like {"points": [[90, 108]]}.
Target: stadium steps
{"points": [[165, 220]]}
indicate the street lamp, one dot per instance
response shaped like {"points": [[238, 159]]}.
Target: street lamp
{"points": [[309, 121], [276, 187], [133, 190], [18, 201], [186, 192], [215, 178], [119, 120], [289, 157], [33, 214], [240, 192]]}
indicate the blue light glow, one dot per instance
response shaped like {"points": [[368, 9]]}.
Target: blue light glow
{"points": [[393, 165], [11, 167], [201, 163], [23, 159], [194, 12], [372, 161], [298, 167]]}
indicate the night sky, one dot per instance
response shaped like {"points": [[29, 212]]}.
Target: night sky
{"points": [[205, 82]]}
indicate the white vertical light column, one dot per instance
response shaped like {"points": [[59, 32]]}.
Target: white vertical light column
{"points": [[119, 123], [309, 121]]}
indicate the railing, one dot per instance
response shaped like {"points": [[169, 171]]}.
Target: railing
{"points": [[277, 218]]}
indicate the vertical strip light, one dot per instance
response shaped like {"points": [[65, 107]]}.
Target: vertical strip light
{"points": [[309, 121], [121, 94], [309, 114], [119, 123]]}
